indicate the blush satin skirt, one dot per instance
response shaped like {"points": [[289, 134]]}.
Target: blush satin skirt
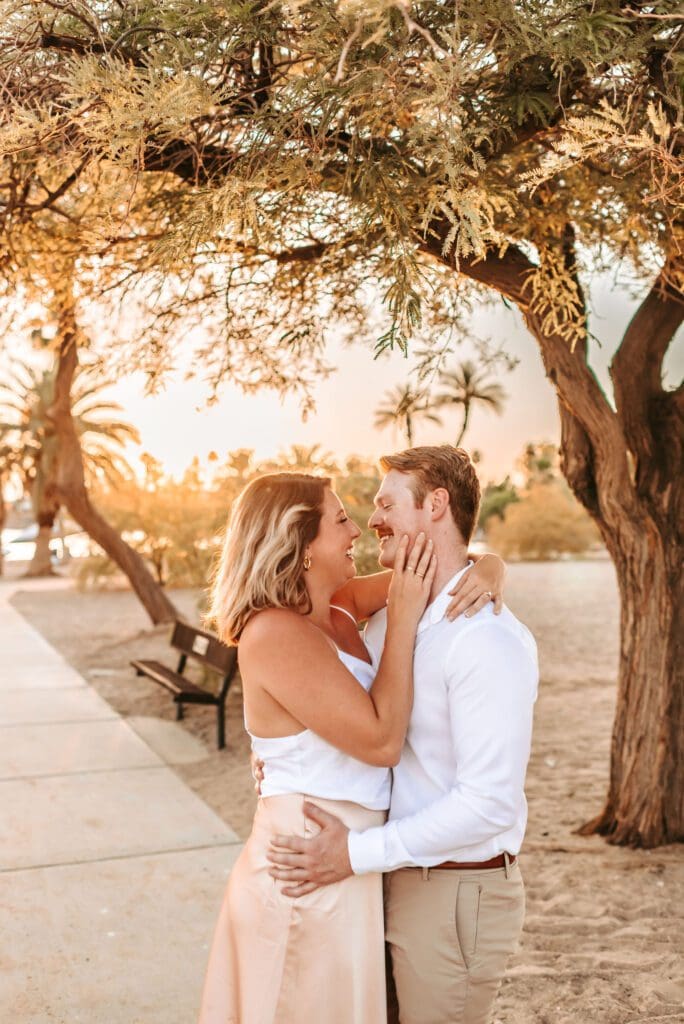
{"points": [[316, 959]]}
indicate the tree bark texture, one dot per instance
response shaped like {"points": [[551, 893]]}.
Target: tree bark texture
{"points": [[645, 803], [624, 476], [72, 489], [624, 466]]}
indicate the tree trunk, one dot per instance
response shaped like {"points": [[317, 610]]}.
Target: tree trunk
{"points": [[466, 416], [645, 803], [636, 513], [41, 563], [72, 489], [157, 604], [624, 465]]}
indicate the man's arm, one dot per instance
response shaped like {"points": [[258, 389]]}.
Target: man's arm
{"points": [[492, 683]]}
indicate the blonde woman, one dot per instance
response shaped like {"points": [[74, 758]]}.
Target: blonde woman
{"points": [[326, 723]]}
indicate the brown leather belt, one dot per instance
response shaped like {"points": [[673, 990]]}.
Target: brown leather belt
{"points": [[482, 865]]}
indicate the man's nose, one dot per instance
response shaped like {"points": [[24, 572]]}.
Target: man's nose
{"points": [[374, 520]]}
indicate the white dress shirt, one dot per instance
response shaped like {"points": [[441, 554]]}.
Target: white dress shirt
{"points": [[457, 792]]}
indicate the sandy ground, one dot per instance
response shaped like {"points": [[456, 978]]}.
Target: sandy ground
{"points": [[604, 934]]}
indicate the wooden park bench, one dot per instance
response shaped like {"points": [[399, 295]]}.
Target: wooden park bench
{"points": [[206, 649]]}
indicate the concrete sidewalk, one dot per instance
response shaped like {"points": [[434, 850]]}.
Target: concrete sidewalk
{"points": [[111, 868]]}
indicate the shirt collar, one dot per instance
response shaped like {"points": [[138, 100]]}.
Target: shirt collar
{"points": [[436, 610]]}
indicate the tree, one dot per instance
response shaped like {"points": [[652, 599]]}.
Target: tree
{"points": [[545, 523], [403, 407], [302, 458], [174, 525], [67, 474], [28, 396], [540, 463], [495, 500], [305, 157], [70, 474], [467, 386]]}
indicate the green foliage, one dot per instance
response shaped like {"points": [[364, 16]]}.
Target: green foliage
{"points": [[539, 463], [544, 523], [467, 386], [177, 525], [265, 171], [26, 397], [403, 407], [495, 500]]}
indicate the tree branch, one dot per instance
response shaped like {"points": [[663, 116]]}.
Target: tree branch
{"points": [[584, 410], [73, 44], [198, 165], [637, 364], [52, 197], [652, 418], [577, 462], [506, 274]]}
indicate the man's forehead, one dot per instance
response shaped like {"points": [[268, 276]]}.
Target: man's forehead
{"points": [[392, 482]]}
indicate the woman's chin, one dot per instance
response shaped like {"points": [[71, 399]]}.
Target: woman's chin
{"points": [[351, 570]]}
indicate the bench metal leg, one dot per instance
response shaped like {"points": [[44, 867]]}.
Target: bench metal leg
{"points": [[221, 723], [179, 711]]}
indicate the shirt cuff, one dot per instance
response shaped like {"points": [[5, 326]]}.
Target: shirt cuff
{"points": [[378, 849], [367, 850]]}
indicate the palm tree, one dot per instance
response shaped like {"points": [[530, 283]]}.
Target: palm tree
{"points": [[468, 386], [26, 403], [301, 458], [403, 406]]}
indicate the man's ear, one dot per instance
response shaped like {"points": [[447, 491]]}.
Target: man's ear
{"points": [[437, 503]]}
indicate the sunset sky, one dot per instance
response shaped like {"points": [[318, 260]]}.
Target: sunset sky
{"points": [[343, 422], [177, 424]]}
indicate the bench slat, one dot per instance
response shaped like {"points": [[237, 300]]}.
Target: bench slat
{"points": [[205, 648], [161, 674], [185, 690]]}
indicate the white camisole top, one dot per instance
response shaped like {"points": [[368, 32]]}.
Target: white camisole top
{"points": [[305, 763]]}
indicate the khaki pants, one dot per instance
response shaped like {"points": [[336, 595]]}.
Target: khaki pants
{"points": [[450, 933]]}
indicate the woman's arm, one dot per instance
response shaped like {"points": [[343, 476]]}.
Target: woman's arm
{"points": [[365, 595], [478, 586], [293, 661]]}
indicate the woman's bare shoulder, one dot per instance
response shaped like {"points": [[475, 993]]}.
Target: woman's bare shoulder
{"points": [[272, 625]]}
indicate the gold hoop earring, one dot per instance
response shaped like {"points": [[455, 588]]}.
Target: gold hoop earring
{"points": [[307, 562]]}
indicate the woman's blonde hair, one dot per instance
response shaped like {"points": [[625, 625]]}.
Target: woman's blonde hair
{"points": [[262, 561]]}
